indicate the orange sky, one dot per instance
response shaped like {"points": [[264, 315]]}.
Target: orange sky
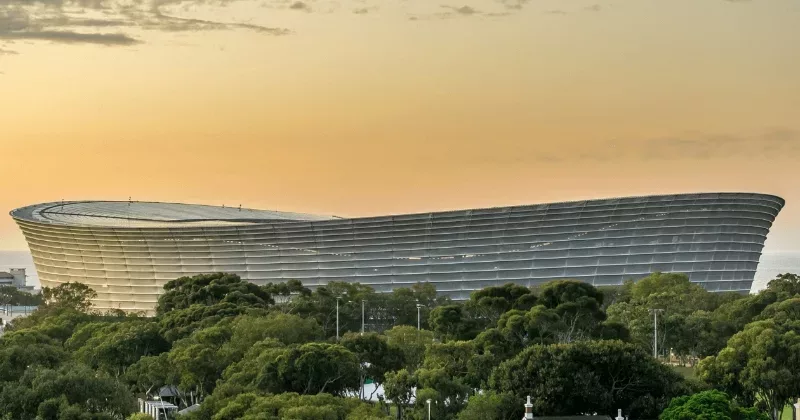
{"points": [[362, 108]]}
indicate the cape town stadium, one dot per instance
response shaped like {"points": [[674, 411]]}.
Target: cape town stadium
{"points": [[126, 251]]}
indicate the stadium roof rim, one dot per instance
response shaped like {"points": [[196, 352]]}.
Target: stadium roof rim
{"points": [[182, 214]]}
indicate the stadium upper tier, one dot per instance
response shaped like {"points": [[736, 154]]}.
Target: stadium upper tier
{"points": [[126, 251]]}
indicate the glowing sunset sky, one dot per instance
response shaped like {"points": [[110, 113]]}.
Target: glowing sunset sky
{"points": [[372, 107]]}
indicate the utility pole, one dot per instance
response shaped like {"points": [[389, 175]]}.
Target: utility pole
{"points": [[655, 313], [362, 316]]}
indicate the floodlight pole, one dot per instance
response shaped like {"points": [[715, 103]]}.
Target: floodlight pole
{"points": [[418, 317], [362, 316], [655, 331]]}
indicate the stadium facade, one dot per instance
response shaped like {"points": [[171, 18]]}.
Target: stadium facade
{"points": [[127, 251]]}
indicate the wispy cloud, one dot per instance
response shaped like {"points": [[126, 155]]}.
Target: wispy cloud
{"points": [[462, 10], [299, 5], [104, 22], [770, 144]]}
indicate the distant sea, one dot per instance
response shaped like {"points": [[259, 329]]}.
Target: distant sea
{"points": [[772, 264]]}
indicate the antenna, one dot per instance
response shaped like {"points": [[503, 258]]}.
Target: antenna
{"points": [[240, 207], [129, 200]]}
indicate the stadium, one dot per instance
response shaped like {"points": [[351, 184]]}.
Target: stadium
{"points": [[126, 251]]}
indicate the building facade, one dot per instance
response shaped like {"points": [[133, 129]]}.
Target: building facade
{"points": [[127, 251]]}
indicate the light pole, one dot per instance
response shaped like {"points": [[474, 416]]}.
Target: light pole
{"points": [[338, 298], [429, 408], [362, 316], [418, 316], [655, 331]]}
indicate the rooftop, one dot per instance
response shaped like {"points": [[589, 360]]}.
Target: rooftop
{"points": [[151, 214], [138, 214]]}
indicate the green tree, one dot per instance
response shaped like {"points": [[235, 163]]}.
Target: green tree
{"points": [[578, 305], [411, 342], [10, 295], [67, 390], [586, 377], [492, 302], [112, 347], [399, 389], [492, 406], [22, 349], [312, 368], [709, 405], [376, 357], [759, 365], [786, 285], [451, 322], [209, 290], [76, 296]]}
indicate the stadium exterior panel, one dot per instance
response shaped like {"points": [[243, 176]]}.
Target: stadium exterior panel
{"points": [[127, 251]]}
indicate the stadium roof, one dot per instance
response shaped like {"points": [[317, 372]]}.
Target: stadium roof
{"points": [[137, 214], [151, 214]]}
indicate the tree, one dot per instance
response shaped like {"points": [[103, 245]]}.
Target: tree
{"points": [[411, 342], [376, 357], [312, 368], [115, 346], [63, 392], [452, 323], [786, 285], [209, 290], [492, 302], [588, 377], [399, 389], [76, 296], [711, 405], [577, 304], [492, 406], [20, 350], [759, 365], [10, 295]]}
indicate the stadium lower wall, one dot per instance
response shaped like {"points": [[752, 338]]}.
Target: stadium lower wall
{"points": [[716, 239]]}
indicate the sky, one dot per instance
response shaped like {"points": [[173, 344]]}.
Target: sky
{"points": [[366, 107]]}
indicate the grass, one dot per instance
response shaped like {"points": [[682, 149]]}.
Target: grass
{"points": [[787, 413], [686, 371]]}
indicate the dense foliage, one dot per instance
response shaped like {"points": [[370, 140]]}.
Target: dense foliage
{"points": [[243, 351]]}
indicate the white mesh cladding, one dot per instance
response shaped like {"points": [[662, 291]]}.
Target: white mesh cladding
{"points": [[715, 238]]}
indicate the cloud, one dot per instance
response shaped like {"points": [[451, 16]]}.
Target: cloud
{"points": [[299, 5], [514, 4], [463, 10], [69, 37], [7, 52], [773, 143], [361, 11], [106, 22], [770, 144], [555, 12], [594, 8]]}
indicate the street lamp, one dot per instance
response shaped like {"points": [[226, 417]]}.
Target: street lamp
{"points": [[418, 316], [338, 298], [362, 316], [655, 331], [429, 408]]}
